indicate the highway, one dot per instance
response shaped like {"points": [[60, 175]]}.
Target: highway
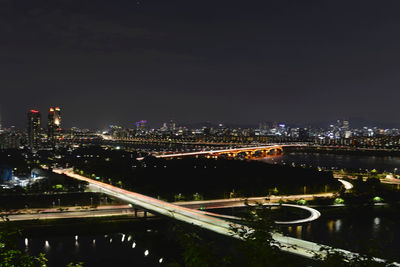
{"points": [[118, 210], [126, 210], [347, 185], [392, 181], [287, 244], [89, 213]]}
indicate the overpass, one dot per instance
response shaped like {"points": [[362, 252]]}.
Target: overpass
{"points": [[239, 202], [291, 245], [243, 152], [314, 214]]}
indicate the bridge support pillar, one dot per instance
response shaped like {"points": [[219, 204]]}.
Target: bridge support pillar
{"points": [[136, 210]]}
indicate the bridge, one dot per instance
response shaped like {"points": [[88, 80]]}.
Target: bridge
{"points": [[242, 152], [314, 214], [291, 245]]}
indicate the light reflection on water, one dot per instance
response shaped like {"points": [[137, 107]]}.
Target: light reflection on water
{"points": [[338, 225], [308, 229], [299, 230], [46, 245], [100, 250], [376, 226], [334, 226], [330, 226]]}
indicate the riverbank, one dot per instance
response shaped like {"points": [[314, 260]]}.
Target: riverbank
{"points": [[344, 150]]}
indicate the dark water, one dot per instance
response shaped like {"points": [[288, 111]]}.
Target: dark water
{"points": [[137, 247], [355, 233], [355, 162]]}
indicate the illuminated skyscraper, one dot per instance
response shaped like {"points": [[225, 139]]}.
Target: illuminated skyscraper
{"points": [[53, 124], [33, 128], [141, 125], [346, 125]]}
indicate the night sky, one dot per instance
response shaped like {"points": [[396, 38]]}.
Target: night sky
{"points": [[116, 62]]}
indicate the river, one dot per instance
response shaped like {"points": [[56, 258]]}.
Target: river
{"points": [[358, 232], [141, 243], [354, 162], [128, 248]]}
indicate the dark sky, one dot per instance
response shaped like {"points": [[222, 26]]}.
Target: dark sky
{"points": [[116, 62]]}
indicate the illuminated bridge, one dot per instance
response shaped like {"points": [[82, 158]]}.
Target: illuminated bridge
{"points": [[241, 152], [201, 219]]}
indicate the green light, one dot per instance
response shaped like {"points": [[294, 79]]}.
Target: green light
{"points": [[338, 201]]}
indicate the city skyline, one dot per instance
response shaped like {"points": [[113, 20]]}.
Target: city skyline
{"points": [[357, 122]]}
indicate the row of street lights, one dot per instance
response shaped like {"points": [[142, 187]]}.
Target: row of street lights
{"points": [[91, 202]]}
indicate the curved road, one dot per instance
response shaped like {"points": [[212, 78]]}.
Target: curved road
{"points": [[314, 214]]}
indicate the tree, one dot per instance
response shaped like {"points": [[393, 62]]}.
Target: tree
{"points": [[197, 196], [258, 247], [197, 252], [10, 255], [336, 258]]}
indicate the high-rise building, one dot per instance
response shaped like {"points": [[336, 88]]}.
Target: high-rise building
{"points": [[54, 124], [172, 125], [141, 125], [164, 128], [11, 138], [346, 125], [304, 134], [33, 128]]}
